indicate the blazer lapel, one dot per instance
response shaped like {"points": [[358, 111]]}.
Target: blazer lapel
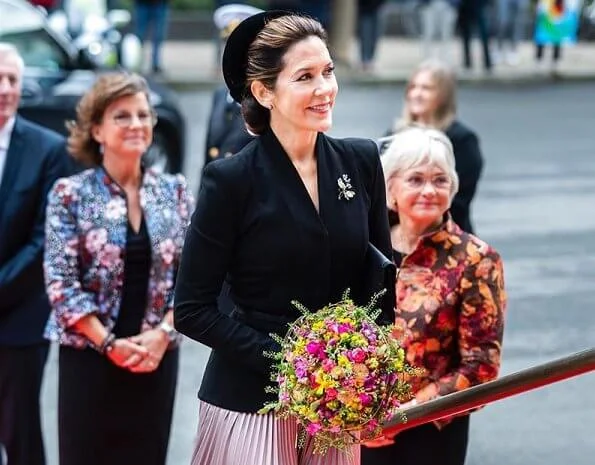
{"points": [[289, 185], [14, 161]]}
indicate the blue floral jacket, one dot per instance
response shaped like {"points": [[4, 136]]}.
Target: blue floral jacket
{"points": [[86, 227]]}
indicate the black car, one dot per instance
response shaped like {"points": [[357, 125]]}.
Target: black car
{"points": [[57, 74]]}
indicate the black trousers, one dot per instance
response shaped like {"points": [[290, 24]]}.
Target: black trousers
{"points": [[474, 17], [424, 445], [108, 415], [557, 51], [21, 374]]}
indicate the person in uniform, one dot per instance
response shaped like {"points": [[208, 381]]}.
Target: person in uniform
{"points": [[227, 133]]}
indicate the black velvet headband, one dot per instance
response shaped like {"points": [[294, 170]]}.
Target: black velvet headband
{"points": [[235, 55]]}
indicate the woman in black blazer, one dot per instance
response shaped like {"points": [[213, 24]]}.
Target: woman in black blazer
{"points": [[430, 100], [275, 223]]}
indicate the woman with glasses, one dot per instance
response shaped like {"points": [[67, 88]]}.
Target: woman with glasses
{"points": [[450, 298], [114, 236]]}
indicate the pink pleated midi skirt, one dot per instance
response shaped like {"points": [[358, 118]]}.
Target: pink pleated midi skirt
{"points": [[234, 438]]}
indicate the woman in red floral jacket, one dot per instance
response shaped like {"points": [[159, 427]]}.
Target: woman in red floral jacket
{"points": [[450, 296]]}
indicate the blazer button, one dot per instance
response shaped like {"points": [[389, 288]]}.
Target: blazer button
{"points": [[213, 152]]}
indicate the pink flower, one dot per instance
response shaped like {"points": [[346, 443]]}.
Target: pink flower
{"points": [[344, 328], [358, 355], [313, 428], [331, 394], [55, 292], [115, 209], [328, 365], [372, 424], [109, 255], [314, 348], [95, 240], [167, 249], [365, 399]]}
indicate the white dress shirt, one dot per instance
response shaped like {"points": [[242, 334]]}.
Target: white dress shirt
{"points": [[5, 134]]}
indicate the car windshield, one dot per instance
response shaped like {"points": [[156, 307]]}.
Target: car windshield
{"points": [[24, 26]]}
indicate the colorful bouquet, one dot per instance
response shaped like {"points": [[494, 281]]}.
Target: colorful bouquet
{"points": [[339, 374]]}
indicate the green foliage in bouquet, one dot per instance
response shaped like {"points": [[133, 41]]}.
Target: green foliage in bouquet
{"points": [[339, 374]]}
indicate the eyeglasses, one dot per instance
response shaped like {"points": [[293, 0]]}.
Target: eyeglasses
{"points": [[418, 182], [125, 120]]}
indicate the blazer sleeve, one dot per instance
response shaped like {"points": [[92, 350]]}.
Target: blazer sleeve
{"points": [[378, 227], [69, 301], [378, 215], [185, 206], [481, 325], [205, 261], [16, 272]]}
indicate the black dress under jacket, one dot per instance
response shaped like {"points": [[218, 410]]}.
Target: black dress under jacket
{"points": [[256, 224]]}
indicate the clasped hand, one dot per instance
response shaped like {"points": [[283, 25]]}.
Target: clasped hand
{"points": [[141, 353]]}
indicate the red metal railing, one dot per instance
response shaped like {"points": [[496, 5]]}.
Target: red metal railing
{"points": [[501, 388]]}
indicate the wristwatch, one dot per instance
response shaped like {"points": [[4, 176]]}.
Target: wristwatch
{"points": [[168, 329]]}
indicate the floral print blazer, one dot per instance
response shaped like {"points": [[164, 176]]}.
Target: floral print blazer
{"points": [[450, 311], [86, 228]]}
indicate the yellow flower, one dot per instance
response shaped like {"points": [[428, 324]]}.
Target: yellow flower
{"points": [[318, 326], [344, 362], [357, 340], [333, 405], [372, 363]]}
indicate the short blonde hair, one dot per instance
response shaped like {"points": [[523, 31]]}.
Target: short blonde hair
{"points": [[416, 145], [445, 80]]}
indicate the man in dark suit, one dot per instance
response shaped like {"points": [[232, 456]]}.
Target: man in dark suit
{"points": [[31, 159]]}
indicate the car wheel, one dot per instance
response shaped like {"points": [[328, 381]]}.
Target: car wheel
{"points": [[160, 156]]}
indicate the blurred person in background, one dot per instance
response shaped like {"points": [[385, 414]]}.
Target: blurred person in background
{"points": [[556, 24], [450, 297], [438, 21], [473, 18], [510, 29], [114, 238], [226, 131], [31, 159], [430, 100], [369, 30], [151, 17]]}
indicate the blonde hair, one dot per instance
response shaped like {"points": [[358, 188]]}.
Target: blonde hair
{"points": [[415, 146], [445, 80]]}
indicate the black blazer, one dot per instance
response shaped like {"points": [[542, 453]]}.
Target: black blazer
{"points": [[469, 165], [256, 223], [36, 157]]}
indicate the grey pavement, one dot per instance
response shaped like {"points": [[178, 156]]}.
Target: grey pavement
{"points": [[535, 205], [193, 63]]}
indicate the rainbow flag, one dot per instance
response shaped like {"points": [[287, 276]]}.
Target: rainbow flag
{"points": [[557, 21]]}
